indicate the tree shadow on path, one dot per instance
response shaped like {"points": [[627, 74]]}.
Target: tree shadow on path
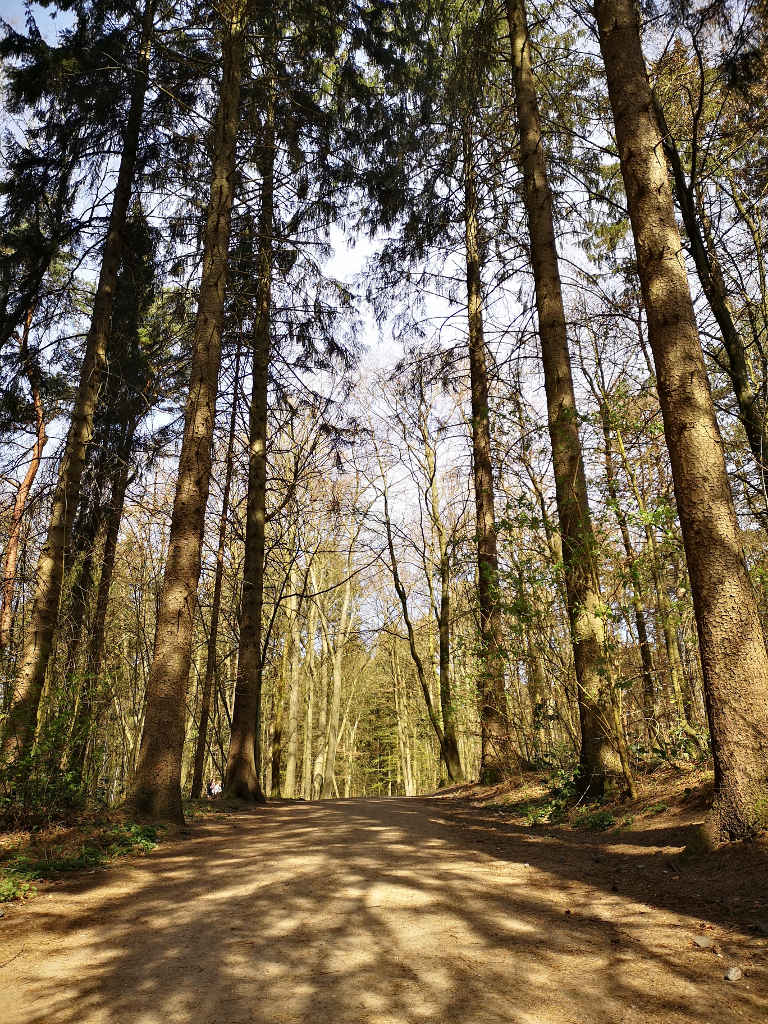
{"points": [[385, 912]]}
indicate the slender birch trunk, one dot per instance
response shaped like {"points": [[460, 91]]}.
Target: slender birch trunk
{"points": [[602, 758], [450, 748], [309, 670], [294, 697], [334, 711], [20, 728], [156, 789], [733, 655]]}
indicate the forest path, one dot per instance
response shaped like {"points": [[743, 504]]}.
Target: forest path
{"points": [[377, 911]]}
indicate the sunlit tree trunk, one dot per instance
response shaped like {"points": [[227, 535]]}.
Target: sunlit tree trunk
{"points": [[294, 693], [733, 655], [334, 710], [603, 750], [450, 747], [156, 789]]}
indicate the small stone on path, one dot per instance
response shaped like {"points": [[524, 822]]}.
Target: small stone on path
{"points": [[703, 942], [734, 974]]}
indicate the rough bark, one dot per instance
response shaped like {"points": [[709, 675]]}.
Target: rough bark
{"points": [[213, 626], [243, 762], [494, 729], [733, 655], [601, 733], [156, 790], [20, 728]]}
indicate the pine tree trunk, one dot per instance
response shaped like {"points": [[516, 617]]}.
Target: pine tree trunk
{"points": [[494, 729], [600, 760], [733, 655], [242, 779], [156, 789], [20, 728], [213, 628]]}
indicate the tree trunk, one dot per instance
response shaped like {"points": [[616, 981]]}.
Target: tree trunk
{"points": [[733, 656], [309, 668], [275, 789], [450, 748], [213, 628], [20, 728], [322, 724], [87, 708], [294, 699], [421, 675], [156, 789], [334, 710], [22, 494], [494, 728], [242, 779], [601, 743]]}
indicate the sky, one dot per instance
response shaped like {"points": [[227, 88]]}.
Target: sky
{"points": [[12, 11]]}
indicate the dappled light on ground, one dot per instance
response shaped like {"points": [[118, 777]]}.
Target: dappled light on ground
{"points": [[385, 912]]}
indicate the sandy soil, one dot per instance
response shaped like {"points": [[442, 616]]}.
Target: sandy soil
{"points": [[386, 912]]}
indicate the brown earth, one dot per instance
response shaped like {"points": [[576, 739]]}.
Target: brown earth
{"points": [[425, 911]]}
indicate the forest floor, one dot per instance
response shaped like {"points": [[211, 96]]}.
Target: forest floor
{"points": [[454, 908]]}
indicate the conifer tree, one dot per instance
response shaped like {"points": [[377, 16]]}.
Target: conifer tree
{"points": [[603, 748], [733, 655], [156, 787], [20, 727]]}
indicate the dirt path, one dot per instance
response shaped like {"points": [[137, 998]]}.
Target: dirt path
{"points": [[383, 912]]}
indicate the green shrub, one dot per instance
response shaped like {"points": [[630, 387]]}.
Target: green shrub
{"points": [[595, 820], [118, 841], [657, 808]]}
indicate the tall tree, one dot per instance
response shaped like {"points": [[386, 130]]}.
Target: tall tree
{"points": [[494, 728], [242, 777], [603, 751], [156, 788], [20, 727], [733, 655]]}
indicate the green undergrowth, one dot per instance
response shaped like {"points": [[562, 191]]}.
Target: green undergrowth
{"points": [[560, 804], [19, 871]]}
